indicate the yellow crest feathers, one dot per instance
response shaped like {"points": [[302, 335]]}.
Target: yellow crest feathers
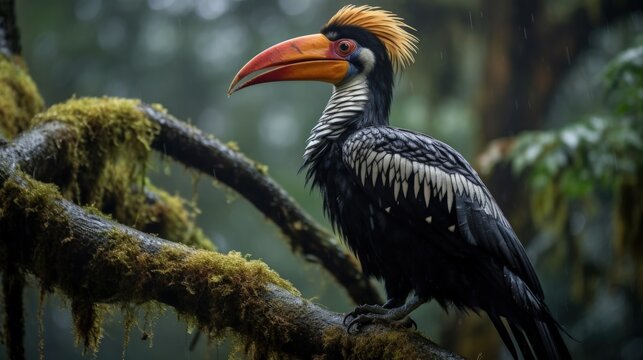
{"points": [[386, 26]]}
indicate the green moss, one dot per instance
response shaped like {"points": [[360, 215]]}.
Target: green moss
{"points": [[373, 345], [233, 145], [213, 285], [170, 219], [107, 159], [262, 168], [152, 313], [213, 290], [109, 130], [129, 320], [160, 108], [19, 97], [153, 211], [28, 204], [88, 318], [31, 203]]}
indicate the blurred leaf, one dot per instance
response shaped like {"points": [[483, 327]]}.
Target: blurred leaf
{"points": [[602, 154], [624, 81], [599, 151]]}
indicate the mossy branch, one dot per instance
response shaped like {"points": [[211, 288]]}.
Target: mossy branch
{"points": [[92, 133], [45, 153], [100, 124], [95, 260], [195, 149], [15, 85]]}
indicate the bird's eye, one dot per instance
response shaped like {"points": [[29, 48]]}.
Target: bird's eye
{"points": [[345, 47]]}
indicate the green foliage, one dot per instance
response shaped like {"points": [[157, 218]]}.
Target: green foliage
{"points": [[581, 156], [597, 153], [624, 78], [599, 157]]}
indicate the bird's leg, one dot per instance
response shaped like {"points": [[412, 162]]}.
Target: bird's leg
{"points": [[374, 309], [395, 317], [366, 309]]}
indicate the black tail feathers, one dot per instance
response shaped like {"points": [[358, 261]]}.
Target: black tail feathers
{"points": [[535, 339]]}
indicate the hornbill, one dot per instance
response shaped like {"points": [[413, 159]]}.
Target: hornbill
{"points": [[411, 208]]}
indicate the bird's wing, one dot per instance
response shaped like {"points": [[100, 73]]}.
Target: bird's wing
{"points": [[427, 183]]}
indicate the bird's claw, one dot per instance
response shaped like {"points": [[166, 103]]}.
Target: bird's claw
{"points": [[367, 319], [350, 314], [364, 309], [387, 319]]}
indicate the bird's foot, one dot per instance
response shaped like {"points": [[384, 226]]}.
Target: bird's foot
{"points": [[365, 309], [375, 314]]}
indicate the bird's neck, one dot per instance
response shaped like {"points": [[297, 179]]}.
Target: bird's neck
{"points": [[352, 106]]}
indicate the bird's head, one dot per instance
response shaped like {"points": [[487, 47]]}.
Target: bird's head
{"points": [[357, 41]]}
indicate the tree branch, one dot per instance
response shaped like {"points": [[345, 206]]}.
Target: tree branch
{"points": [[43, 153], [191, 147], [82, 126], [94, 260], [13, 281], [185, 144]]}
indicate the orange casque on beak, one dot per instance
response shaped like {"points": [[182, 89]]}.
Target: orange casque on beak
{"points": [[309, 57]]}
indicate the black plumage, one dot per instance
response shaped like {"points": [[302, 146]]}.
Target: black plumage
{"points": [[467, 255], [411, 208]]}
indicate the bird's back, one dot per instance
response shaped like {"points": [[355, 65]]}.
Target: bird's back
{"points": [[418, 216]]}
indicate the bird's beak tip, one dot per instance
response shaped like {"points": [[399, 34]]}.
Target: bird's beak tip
{"points": [[233, 84], [306, 57]]}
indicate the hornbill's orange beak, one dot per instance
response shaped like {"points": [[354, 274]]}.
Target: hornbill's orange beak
{"points": [[309, 57]]}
